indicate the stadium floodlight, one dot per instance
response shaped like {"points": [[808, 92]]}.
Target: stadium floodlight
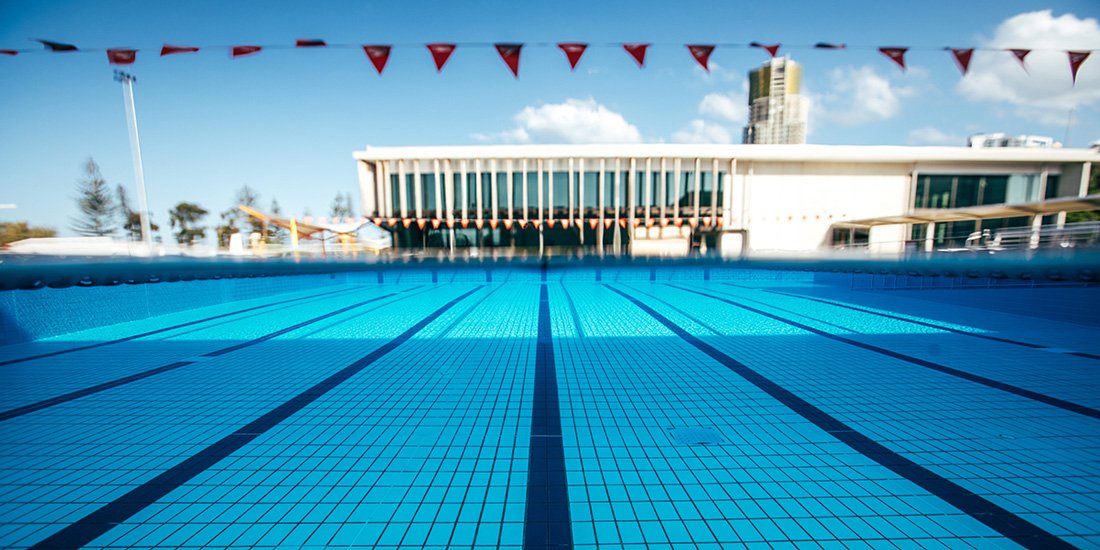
{"points": [[127, 81]]}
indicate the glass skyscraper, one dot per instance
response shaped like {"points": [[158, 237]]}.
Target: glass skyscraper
{"points": [[777, 113]]}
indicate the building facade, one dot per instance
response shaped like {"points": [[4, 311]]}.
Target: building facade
{"points": [[777, 111], [768, 198]]}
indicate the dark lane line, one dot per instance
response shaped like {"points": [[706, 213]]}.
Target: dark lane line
{"points": [[968, 376], [65, 398], [97, 523], [547, 523], [992, 515], [166, 329]]}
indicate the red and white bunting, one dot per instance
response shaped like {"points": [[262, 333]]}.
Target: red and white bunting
{"points": [[440, 54], [310, 43], [241, 51], [1075, 61], [637, 51], [169, 49], [121, 56], [510, 54], [573, 52], [772, 49], [1021, 55], [701, 53], [962, 58], [378, 54], [897, 55]]}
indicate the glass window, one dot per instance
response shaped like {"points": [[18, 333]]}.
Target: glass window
{"points": [[1052, 186], [995, 189], [427, 192], [561, 190], [966, 191], [920, 197], [1022, 188], [939, 192]]}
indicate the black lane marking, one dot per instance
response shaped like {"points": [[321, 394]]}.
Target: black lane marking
{"points": [[462, 316], [37, 406], [95, 524], [899, 318], [976, 506], [166, 329], [547, 522], [573, 311], [971, 377]]}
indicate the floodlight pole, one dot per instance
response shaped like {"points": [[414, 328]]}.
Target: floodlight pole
{"points": [[127, 81]]}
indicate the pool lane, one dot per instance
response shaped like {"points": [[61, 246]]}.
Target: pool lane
{"points": [[1027, 457], [64, 462], [48, 381]]}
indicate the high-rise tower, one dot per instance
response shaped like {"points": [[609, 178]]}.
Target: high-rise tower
{"points": [[777, 113]]}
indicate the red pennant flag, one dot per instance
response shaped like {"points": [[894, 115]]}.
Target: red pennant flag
{"points": [[508, 224], [435, 223], [701, 53], [706, 221], [58, 46], [379, 55], [465, 224], [897, 55], [565, 224], [550, 223], [830, 46], [120, 56], [510, 54], [450, 224], [593, 223], [573, 52], [1075, 61], [1020, 55], [310, 43], [420, 223], [406, 222], [241, 51], [440, 54], [377, 221], [169, 49], [493, 223], [637, 51], [479, 224], [535, 223], [962, 58], [772, 49], [392, 222], [9, 52]]}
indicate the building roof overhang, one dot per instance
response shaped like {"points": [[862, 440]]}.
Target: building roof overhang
{"points": [[941, 215]]}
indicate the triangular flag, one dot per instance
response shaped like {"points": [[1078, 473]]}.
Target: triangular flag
{"points": [[664, 222], [169, 49], [772, 49], [718, 222], [508, 224], [550, 223], [637, 222], [493, 224], [1075, 61], [535, 223], [58, 46], [310, 43], [701, 53], [479, 223], [9, 52], [241, 51], [593, 223], [706, 221], [580, 223], [691, 223], [465, 224], [897, 55], [637, 51], [392, 222], [379, 55], [678, 221], [573, 52], [510, 54], [622, 223], [406, 222], [435, 223], [565, 224], [450, 224], [607, 223], [830, 46], [1020, 56], [377, 221], [440, 54], [120, 56], [649, 222], [420, 223], [962, 58]]}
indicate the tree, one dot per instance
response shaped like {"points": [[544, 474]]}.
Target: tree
{"points": [[341, 206], [17, 231], [274, 233], [228, 225], [95, 204], [1094, 188], [131, 220], [185, 217]]}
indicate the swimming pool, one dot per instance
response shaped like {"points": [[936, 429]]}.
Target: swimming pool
{"points": [[662, 406]]}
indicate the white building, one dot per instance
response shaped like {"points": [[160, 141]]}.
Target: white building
{"points": [[1001, 139], [777, 112], [759, 198]]}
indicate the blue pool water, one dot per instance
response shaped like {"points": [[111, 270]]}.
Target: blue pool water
{"points": [[654, 409]]}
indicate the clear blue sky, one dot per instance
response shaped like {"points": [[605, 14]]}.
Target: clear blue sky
{"points": [[286, 121]]}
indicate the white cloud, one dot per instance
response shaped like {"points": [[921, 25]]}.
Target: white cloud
{"points": [[1045, 87], [701, 131], [859, 95], [572, 121], [732, 107], [934, 136]]}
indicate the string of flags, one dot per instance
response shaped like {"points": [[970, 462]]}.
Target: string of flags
{"points": [[564, 223], [379, 54]]}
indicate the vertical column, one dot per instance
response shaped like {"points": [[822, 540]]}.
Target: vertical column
{"points": [[464, 190], [617, 193], [418, 193], [930, 237], [648, 191], [550, 188], [715, 181], [601, 199], [580, 196], [676, 190], [438, 190], [1036, 231], [631, 197], [569, 183], [402, 188], [368, 204], [539, 165], [663, 200], [510, 191], [478, 190], [387, 189], [494, 200], [523, 189], [698, 191]]}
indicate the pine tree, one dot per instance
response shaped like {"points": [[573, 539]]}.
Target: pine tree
{"points": [[186, 216], [131, 219], [95, 204]]}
